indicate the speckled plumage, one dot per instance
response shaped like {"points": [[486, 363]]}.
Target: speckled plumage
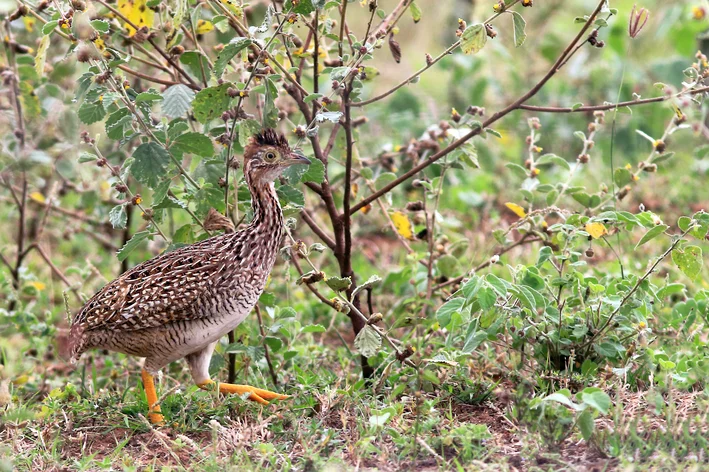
{"points": [[180, 303]]}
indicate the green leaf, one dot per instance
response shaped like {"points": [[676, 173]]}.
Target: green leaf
{"points": [[100, 26], [192, 143], [293, 174], [270, 112], [291, 195], [473, 340], [447, 265], [415, 11], [316, 328], [209, 196], [622, 176], [384, 179], [91, 112], [445, 312], [117, 123], [160, 192], [689, 260], [177, 100], [196, 62], [87, 157], [338, 284], [274, 343], [233, 48], [652, 234], [49, 26], [586, 424], [150, 164], [467, 154], [517, 169], [373, 280], [118, 216], [148, 97], [553, 159], [519, 28], [132, 243], [303, 7], [596, 398], [211, 102], [368, 341], [315, 172], [473, 38], [560, 397], [487, 297]]}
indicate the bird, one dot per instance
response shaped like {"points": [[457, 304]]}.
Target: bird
{"points": [[180, 303]]}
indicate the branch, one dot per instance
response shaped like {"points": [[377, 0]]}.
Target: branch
{"points": [[192, 84], [637, 285], [611, 106], [523, 240], [430, 64], [513, 106]]}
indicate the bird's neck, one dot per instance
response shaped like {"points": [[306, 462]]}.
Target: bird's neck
{"points": [[266, 207], [265, 231]]}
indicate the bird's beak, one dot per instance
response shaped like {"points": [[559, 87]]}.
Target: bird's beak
{"points": [[296, 157]]}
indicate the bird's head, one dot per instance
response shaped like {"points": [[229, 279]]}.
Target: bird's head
{"points": [[267, 155]]}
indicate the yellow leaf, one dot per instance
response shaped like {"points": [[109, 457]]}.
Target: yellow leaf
{"points": [[37, 197], [29, 23], [516, 209], [233, 7], [37, 285], [41, 57], [21, 380], [204, 26], [402, 224], [137, 12], [596, 230]]}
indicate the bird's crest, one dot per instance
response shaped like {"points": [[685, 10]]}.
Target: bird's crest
{"points": [[270, 137]]}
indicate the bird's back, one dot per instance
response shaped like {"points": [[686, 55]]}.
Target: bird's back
{"points": [[216, 276]]}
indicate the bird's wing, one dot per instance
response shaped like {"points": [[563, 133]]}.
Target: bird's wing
{"points": [[161, 290]]}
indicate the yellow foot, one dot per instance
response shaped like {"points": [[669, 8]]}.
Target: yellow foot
{"points": [[151, 396], [156, 418], [255, 394]]}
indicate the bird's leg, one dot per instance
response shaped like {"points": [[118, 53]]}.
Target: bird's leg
{"points": [[152, 397], [255, 394], [199, 366]]}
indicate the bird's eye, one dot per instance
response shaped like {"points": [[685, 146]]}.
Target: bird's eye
{"points": [[270, 156]]}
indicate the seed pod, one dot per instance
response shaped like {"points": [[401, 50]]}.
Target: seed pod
{"points": [[414, 206], [147, 214], [395, 48], [375, 318], [120, 188], [312, 277], [490, 31], [589, 252], [177, 50]]}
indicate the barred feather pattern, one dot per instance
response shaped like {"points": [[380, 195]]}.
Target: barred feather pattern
{"points": [[179, 302]]}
